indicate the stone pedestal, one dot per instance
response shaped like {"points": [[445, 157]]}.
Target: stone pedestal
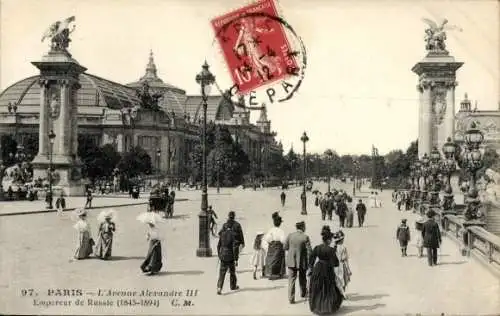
{"points": [[59, 82], [437, 74]]}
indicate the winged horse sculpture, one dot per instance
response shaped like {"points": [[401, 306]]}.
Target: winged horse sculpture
{"points": [[59, 32], [435, 35]]}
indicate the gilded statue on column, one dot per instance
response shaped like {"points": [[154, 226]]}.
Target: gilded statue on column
{"points": [[435, 35], [58, 33]]}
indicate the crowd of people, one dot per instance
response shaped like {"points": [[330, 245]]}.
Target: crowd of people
{"points": [[428, 232], [278, 255]]}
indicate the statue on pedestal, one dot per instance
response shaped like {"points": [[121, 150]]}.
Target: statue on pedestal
{"points": [[58, 33], [435, 35]]}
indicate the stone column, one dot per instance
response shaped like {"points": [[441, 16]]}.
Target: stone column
{"points": [[425, 126], [449, 119], [64, 127], [119, 143], [43, 119]]}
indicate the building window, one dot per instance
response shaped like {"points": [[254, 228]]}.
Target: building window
{"points": [[149, 142]]}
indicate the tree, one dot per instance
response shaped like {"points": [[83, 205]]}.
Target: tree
{"points": [[292, 164], [9, 147], [135, 162], [98, 162]]}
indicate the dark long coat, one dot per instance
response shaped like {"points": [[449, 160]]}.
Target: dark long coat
{"points": [[431, 234]]}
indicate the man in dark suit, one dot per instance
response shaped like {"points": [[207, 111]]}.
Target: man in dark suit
{"points": [[431, 236], [361, 210], [225, 252], [238, 234], [299, 249]]}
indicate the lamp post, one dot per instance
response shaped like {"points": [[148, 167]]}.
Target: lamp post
{"points": [[355, 171], [158, 157], [303, 196], [205, 79], [417, 169], [52, 137], [472, 161], [434, 169], [448, 166], [329, 155]]}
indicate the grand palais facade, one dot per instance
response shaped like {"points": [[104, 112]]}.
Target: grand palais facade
{"points": [[112, 113]]}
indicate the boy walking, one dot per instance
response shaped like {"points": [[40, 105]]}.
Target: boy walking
{"points": [[403, 235]]}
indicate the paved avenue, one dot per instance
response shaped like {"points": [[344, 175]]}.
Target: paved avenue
{"points": [[34, 252]]}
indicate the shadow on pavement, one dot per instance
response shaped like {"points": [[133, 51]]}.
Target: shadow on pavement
{"points": [[357, 297], [188, 272], [453, 262], [121, 258], [245, 271], [255, 289], [351, 309], [180, 216]]}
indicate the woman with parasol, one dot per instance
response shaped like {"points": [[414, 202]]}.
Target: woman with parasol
{"points": [[153, 262], [85, 241], [107, 228]]}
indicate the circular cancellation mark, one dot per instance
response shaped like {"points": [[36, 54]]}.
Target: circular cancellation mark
{"points": [[264, 63]]}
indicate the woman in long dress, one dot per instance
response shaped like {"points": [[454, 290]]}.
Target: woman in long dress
{"points": [[85, 241], [324, 294], [343, 271], [275, 260], [153, 262], [105, 240]]}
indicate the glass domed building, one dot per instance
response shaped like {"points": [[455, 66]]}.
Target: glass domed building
{"points": [[112, 113]]}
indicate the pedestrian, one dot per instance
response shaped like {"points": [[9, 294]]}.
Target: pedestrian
{"points": [[298, 246], [88, 203], [403, 236], [378, 202], [343, 271], [259, 255], [330, 207], [225, 251], [213, 216], [316, 198], [399, 199], [239, 244], [323, 205], [325, 296], [85, 241], [350, 213], [152, 264], [107, 228], [275, 267], [283, 198], [60, 204], [371, 200], [420, 240], [432, 238], [342, 212]]}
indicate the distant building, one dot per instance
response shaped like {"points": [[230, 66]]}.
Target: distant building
{"points": [[487, 121], [111, 113]]}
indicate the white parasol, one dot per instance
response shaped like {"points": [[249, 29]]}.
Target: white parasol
{"points": [[111, 213], [150, 217]]}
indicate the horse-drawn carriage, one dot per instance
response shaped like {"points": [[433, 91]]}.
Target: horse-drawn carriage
{"points": [[161, 200]]}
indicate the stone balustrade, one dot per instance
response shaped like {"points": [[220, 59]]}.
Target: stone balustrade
{"points": [[474, 239]]}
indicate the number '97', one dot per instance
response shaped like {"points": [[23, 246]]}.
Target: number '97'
{"points": [[27, 292]]}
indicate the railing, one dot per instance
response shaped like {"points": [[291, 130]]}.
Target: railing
{"points": [[474, 238]]}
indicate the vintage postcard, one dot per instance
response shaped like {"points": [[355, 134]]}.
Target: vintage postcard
{"points": [[249, 157]]}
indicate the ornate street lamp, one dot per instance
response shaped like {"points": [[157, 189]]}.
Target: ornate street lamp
{"points": [[303, 196], [205, 79], [329, 155], [448, 166], [52, 137], [434, 168], [472, 161]]}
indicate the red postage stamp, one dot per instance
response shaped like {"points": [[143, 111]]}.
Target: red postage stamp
{"points": [[255, 46]]}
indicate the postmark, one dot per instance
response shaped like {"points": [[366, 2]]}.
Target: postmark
{"points": [[264, 56]]}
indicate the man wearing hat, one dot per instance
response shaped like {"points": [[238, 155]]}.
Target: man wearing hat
{"points": [[299, 249], [238, 234], [403, 236], [432, 238]]}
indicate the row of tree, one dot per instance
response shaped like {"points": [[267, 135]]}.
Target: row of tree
{"points": [[229, 165]]}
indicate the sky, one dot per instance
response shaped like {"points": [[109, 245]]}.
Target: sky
{"points": [[358, 88]]}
